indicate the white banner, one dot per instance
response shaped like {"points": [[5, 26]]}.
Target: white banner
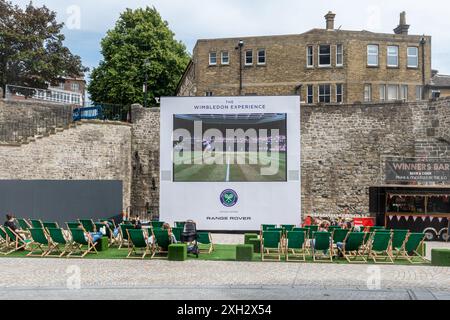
{"points": [[230, 163]]}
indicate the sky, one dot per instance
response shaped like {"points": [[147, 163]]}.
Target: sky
{"points": [[87, 21]]}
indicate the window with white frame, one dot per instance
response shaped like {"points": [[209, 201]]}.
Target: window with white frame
{"points": [[248, 57], [324, 55], [310, 94], [372, 55], [382, 92], [61, 85], [419, 93], [367, 93], [404, 92], [310, 57], [261, 56], [339, 55], [339, 93], [392, 56], [324, 93], [212, 58], [225, 58], [392, 92], [75, 87], [413, 57]]}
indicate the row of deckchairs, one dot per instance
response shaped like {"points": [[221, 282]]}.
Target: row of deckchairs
{"points": [[47, 242], [380, 245]]}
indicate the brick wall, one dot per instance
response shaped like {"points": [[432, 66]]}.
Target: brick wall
{"points": [[343, 149], [93, 150]]}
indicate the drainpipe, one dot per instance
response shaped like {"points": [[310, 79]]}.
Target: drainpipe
{"points": [[240, 45], [422, 44]]}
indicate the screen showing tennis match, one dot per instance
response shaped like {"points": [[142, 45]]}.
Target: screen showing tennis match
{"points": [[230, 147]]}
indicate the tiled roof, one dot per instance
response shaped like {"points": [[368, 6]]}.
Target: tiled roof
{"points": [[440, 80]]}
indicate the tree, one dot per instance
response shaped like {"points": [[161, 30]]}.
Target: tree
{"points": [[139, 36], [32, 53]]}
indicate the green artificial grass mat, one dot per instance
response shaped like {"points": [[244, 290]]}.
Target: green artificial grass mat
{"points": [[222, 252]]}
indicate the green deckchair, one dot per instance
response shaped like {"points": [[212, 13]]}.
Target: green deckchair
{"points": [[287, 227], [375, 228], [204, 238], [88, 225], [322, 241], [124, 235], [138, 242], [15, 241], [311, 229], [265, 227], [40, 241], [52, 225], [379, 247], [79, 243], [409, 250], [5, 242], [161, 242], [180, 224], [351, 247], [177, 233], [295, 245], [23, 224], [338, 237], [157, 224], [73, 225], [109, 232], [58, 240], [399, 239], [36, 223], [271, 241]]}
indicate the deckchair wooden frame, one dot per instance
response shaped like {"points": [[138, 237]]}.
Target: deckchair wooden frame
{"points": [[210, 245], [133, 249], [403, 254], [157, 249], [359, 252], [267, 251], [17, 243], [330, 248], [56, 245], [378, 255], [77, 247], [295, 253]]}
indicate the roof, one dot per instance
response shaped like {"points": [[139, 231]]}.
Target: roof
{"points": [[440, 81]]}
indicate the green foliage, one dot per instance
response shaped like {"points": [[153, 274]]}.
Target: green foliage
{"points": [[138, 36], [31, 47]]}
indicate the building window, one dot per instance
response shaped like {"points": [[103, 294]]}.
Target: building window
{"points": [[248, 57], [392, 92], [392, 56], [372, 55], [61, 85], [310, 94], [413, 57], [419, 93], [382, 92], [339, 55], [208, 93], [324, 93], [225, 58], [367, 93], [404, 93], [339, 93], [75, 87], [261, 56], [310, 57], [212, 58], [325, 55]]}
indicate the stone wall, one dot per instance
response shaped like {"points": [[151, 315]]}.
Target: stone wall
{"points": [[90, 151], [343, 149]]}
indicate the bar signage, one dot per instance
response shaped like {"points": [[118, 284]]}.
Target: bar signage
{"points": [[411, 170]]}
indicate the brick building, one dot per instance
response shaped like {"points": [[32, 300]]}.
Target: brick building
{"points": [[322, 65]]}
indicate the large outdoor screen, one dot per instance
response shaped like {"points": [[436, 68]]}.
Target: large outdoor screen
{"points": [[246, 147]]}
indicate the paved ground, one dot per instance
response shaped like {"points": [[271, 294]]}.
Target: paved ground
{"points": [[159, 279]]}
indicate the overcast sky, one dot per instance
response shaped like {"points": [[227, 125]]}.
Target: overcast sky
{"points": [[194, 19]]}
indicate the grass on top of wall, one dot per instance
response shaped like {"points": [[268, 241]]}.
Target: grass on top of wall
{"points": [[222, 252]]}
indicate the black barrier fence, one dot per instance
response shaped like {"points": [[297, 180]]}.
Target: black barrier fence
{"points": [[104, 111], [61, 200]]}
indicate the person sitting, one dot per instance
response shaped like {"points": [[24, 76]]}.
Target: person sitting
{"points": [[10, 223], [137, 222], [323, 227], [94, 236], [167, 227]]}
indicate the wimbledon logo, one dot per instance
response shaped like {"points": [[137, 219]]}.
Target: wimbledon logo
{"points": [[228, 198]]}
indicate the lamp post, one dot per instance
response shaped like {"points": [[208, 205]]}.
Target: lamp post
{"points": [[240, 45], [146, 66]]}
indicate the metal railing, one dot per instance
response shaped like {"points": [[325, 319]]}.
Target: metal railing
{"points": [[54, 95], [104, 111]]}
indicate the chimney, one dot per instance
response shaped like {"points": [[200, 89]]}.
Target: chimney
{"points": [[402, 27], [330, 20]]}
